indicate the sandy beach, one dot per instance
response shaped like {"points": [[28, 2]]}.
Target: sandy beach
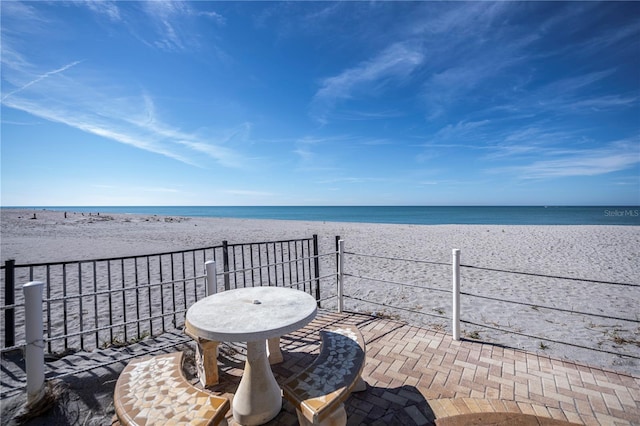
{"points": [[596, 253], [606, 253]]}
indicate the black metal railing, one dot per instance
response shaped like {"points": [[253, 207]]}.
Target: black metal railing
{"points": [[102, 302]]}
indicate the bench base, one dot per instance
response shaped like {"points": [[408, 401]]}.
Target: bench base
{"points": [[360, 385], [207, 362], [273, 351], [338, 417]]}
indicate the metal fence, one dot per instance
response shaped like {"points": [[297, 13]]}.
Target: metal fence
{"points": [[104, 302], [545, 317], [497, 306]]}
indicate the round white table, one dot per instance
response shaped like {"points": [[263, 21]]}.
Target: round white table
{"points": [[252, 315]]}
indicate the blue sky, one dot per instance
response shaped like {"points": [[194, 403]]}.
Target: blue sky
{"points": [[320, 103]]}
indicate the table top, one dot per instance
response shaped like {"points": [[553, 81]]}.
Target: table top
{"points": [[250, 314]]}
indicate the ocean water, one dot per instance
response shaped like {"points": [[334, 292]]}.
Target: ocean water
{"points": [[419, 215]]}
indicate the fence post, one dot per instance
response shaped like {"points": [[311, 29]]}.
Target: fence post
{"points": [[456, 293], [316, 269], [340, 274], [337, 256], [225, 264], [9, 299], [34, 358], [212, 284]]}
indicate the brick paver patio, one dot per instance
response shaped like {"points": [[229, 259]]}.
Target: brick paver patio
{"points": [[416, 376]]}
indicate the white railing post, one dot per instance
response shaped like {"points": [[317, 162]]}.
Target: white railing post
{"points": [[456, 294], [34, 352], [212, 284], [340, 274]]}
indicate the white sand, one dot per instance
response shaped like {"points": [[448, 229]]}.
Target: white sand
{"points": [[608, 253]]}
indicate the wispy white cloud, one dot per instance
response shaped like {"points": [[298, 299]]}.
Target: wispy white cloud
{"points": [[465, 135], [392, 65], [215, 16], [63, 97], [22, 123], [106, 8], [460, 130], [40, 78], [571, 95], [12, 59], [163, 15], [611, 37], [471, 20], [577, 82], [19, 22], [488, 141], [395, 62], [171, 19], [604, 102], [477, 55], [466, 76], [377, 142], [467, 48], [368, 115], [320, 153], [306, 154], [320, 16], [531, 141], [614, 157], [631, 180], [23, 13], [290, 19]]}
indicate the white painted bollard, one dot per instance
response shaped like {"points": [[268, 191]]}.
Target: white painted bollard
{"points": [[340, 274], [456, 294], [212, 284], [34, 340]]}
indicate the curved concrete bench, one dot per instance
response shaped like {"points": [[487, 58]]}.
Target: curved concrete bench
{"points": [[318, 392], [153, 391]]}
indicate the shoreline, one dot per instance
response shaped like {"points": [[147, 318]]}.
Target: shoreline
{"points": [[21, 233], [399, 215], [588, 252]]}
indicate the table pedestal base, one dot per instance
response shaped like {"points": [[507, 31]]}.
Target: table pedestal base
{"points": [[258, 398]]}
